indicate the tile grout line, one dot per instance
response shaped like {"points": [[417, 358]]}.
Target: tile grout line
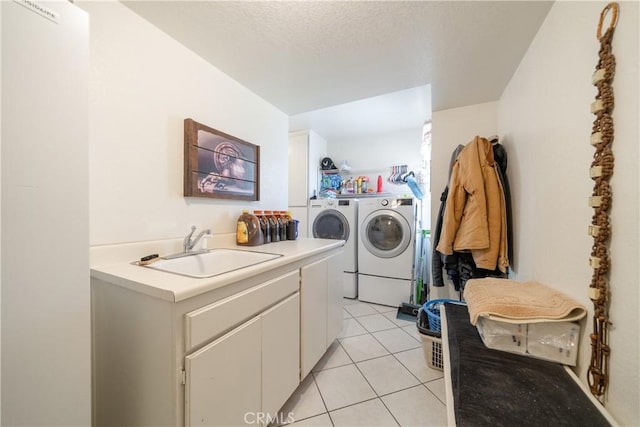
{"points": [[352, 362], [372, 388], [378, 396], [326, 410], [406, 367], [420, 383]]}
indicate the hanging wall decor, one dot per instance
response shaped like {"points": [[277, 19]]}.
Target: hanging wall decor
{"points": [[600, 172], [217, 165]]}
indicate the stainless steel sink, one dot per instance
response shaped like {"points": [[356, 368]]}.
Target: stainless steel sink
{"points": [[212, 263]]}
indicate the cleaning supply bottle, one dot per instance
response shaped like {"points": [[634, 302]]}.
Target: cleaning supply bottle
{"points": [[248, 231], [350, 186], [379, 189]]}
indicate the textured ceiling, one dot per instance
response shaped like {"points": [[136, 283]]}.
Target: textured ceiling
{"points": [[304, 56]]}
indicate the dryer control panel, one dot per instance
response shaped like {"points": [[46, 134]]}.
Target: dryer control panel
{"points": [[394, 203]]}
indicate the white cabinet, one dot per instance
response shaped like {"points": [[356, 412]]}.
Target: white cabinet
{"points": [[228, 356], [321, 313], [225, 374], [251, 370], [306, 149], [280, 353], [313, 316], [335, 292]]}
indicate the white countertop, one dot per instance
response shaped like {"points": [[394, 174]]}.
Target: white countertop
{"points": [[174, 288]]}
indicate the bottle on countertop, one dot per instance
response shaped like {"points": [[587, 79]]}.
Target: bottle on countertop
{"points": [[289, 220], [248, 231], [283, 225], [287, 215], [264, 225], [273, 223], [350, 189]]}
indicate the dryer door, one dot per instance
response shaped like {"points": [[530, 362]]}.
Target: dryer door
{"points": [[385, 233], [331, 224]]}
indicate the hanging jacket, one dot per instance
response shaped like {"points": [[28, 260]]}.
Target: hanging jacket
{"points": [[436, 260], [474, 217], [500, 156]]}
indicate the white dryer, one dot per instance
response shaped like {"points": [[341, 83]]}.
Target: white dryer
{"points": [[338, 219], [386, 249]]}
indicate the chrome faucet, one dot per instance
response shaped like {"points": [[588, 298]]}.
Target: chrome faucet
{"points": [[188, 244]]}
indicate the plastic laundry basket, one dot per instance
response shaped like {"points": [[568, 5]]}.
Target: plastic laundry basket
{"points": [[432, 308], [431, 342]]}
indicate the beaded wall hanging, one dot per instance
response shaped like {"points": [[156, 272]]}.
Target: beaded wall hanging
{"points": [[600, 172]]}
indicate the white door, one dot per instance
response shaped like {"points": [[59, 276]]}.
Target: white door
{"points": [[224, 379], [280, 353]]}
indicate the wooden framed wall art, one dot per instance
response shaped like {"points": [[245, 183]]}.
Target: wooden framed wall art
{"points": [[219, 166]]}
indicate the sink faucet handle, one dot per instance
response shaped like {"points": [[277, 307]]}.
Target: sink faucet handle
{"points": [[186, 244]]}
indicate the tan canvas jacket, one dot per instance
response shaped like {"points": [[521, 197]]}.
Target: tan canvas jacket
{"points": [[475, 217]]}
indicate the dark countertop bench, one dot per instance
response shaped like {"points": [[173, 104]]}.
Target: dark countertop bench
{"points": [[496, 388]]}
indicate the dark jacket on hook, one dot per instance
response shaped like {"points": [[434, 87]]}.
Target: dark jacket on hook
{"points": [[436, 261], [500, 156]]}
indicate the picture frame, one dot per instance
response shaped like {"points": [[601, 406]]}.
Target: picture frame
{"points": [[218, 165]]}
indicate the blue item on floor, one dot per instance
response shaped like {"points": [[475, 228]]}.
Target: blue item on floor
{"points": [[432, 308]]}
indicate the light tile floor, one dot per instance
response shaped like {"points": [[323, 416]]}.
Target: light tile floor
{"points": [[374, 374]]}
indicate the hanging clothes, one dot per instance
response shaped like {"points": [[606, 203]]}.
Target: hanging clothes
{"points": [[500, 156], [437, 261], [471, 234]]}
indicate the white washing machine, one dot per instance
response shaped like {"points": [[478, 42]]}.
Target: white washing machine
{"points": [[338, 219], [386, 249]]}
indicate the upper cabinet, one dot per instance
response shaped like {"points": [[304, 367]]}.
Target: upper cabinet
{"points": [[306, 149]]}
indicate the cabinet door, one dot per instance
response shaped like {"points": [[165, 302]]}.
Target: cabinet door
{"points": [[280, 353], [306, 149], [298, 168], [335, 291], [224, 379], [317, 151], [313, 314]]}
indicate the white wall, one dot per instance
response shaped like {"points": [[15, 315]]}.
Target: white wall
{"points": [[0, 218], [46, 363], [545, 120], [143, 85], [375, 154], [450, 128]]}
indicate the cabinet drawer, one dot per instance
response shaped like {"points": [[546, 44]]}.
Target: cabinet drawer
{"points": [[208, 322]]}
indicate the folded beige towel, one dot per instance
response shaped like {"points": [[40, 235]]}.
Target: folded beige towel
{"points": [[519, 302]]}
